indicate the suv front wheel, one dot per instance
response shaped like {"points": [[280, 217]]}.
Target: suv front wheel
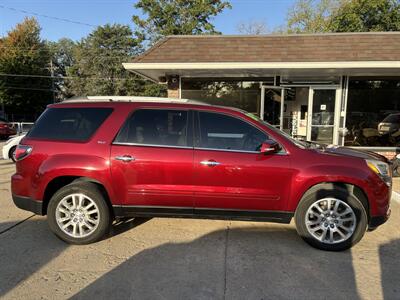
{"points": [[78, 213], [331, 220]]}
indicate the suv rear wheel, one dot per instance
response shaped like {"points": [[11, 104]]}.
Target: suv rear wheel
{"points": [[78, 213], [332, 220]]}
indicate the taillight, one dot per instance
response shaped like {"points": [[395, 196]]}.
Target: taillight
{"points": [[22, 151]]}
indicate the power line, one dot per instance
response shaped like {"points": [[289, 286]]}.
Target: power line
{"points": [[29, 49], [104, 53], [24, 88], [46, 16], [66, 77]]}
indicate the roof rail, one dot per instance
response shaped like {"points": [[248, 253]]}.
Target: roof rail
{"points": [[132, 99]]}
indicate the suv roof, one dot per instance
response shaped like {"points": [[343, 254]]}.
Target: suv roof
{"points": [[131, 99]]}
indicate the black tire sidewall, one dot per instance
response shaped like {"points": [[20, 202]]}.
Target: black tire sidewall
{"points": [[351, 200], [92, 191], [11, 153]]}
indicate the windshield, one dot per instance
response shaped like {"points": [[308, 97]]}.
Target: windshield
{"points": [[301, 144]]}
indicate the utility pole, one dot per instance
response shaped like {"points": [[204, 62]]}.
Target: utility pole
{"points": [[52, 80]]}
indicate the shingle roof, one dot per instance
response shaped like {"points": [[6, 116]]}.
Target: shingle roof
{"points": [[276, 48]]}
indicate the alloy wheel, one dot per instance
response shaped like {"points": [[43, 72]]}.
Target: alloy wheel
{"points": [[330, 220], [77, 215]]}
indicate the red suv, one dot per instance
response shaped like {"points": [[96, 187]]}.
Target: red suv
{"points": [[6, 129], [86, 163]]}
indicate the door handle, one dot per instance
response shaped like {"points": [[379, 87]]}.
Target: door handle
{"points": [[210, 163], [125, 158]]}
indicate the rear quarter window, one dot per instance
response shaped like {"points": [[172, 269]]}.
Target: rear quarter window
{"points": [[69, 124]]}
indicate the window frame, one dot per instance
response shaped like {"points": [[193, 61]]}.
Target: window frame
{"points": [[189, 129], [197, 130]]}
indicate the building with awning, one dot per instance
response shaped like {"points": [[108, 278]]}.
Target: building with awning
{"points": [[340, 88]]}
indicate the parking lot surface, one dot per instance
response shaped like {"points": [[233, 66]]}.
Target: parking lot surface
{"points": [[190, 259]]}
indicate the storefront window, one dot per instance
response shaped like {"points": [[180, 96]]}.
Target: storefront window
{"points": [[236, 93], [373, 112]]}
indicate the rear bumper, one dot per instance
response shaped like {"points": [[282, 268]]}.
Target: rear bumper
{"points": [[8, 131], [28, 204]]}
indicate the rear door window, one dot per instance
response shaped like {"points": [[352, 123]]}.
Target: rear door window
{"points": [[70, 124], [156, 127]]}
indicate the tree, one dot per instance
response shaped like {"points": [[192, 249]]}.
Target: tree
{"points": [[97, 68], [367, 15], [25, 86], [252, 28], [62, 59], [311, 16], [176, 17]]}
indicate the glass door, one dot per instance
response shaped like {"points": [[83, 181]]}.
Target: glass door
{"points": [[272, 105], [323, 116]]}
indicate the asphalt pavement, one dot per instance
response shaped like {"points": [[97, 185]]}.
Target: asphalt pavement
{"points": [[190, 259]]}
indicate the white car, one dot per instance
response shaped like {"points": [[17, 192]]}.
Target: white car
{"points": [[10, 146]]}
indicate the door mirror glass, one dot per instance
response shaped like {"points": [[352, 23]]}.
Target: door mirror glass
{"points": [[269, 147]]}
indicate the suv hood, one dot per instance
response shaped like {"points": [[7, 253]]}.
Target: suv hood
{"points": [[345, 151]]}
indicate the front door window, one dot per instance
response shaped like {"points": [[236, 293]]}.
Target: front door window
{"points": [[222, 132]]}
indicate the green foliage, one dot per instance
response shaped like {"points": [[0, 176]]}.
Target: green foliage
{"points": [[312, 16], [62, 59], [95, 66], [98, 58], [176, 17], [367, 15], [23, 52]]}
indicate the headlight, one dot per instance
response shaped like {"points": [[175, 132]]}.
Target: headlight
{"points": [[381, 169]]}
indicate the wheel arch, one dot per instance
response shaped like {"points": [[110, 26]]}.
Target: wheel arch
{"points": [[350, 188], [58, 182]]}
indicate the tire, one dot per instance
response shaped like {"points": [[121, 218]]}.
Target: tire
{"points": [[352, 225], [78, 219], [11, 153]]}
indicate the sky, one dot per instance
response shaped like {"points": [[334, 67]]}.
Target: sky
{"points": [[99, 12]]}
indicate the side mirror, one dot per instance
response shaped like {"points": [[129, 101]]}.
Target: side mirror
{"points": [[269, 147]]}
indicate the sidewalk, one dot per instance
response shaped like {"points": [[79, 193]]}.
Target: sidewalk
{"points": [[396, 184]]}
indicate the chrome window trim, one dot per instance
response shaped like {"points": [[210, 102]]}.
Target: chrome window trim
{"points": [[151, 145], [195, 148], [237, 151]]}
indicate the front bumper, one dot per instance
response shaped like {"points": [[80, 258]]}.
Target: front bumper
{"points": [[375, 222], [28, 204]]}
